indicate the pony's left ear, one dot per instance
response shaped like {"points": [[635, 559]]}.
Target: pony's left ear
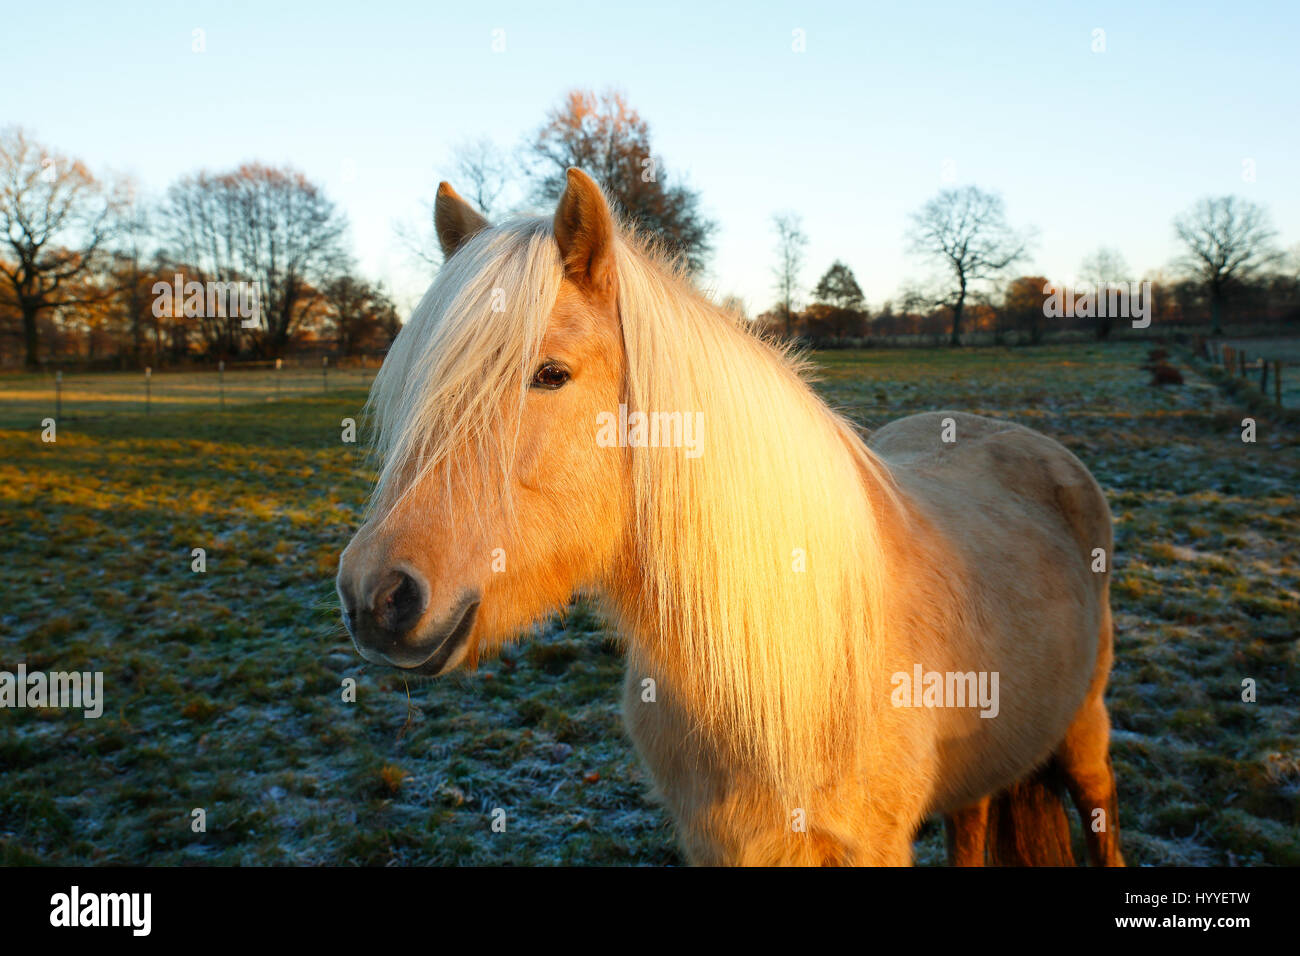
{"points": [[454, 219], [584, 229]]}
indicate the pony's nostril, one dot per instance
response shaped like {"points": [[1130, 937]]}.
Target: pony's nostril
{"points": [[398, 602]]}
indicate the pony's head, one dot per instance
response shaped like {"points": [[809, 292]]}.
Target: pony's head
{"points": [[495, 502]]}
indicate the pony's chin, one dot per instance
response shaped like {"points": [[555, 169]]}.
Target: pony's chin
{"points": [[446, 656], [432, 668]]}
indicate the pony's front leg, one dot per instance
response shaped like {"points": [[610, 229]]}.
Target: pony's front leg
{"points": [[842, 831], [889, 849], [822, 849], [832, 844], [887, 840]]}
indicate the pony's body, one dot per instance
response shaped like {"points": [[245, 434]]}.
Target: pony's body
{"points": [[991, 571], [768, 584]]}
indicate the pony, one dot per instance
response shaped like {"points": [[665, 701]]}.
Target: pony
{"points": [[778, 583]]}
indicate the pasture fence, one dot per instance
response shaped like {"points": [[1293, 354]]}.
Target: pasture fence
{"points": [[28, 398], [1262, 363]]}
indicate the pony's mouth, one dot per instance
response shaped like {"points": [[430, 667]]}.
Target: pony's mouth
{"points": [[457, 631]]}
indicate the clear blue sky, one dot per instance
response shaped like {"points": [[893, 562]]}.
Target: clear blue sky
{"points": [[854, 133]]}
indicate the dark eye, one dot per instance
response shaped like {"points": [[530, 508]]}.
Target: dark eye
{"points": [[550, 375]]}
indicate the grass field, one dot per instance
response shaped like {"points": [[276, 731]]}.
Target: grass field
{"points": [[223, 688]]}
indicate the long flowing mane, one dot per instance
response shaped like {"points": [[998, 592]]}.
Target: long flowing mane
{"points": [[761, 578], [762, 558]]}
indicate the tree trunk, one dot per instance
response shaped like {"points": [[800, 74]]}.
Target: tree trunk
{"points": [[137, 323], [30, 335], [1216, 313], [956, 318]]}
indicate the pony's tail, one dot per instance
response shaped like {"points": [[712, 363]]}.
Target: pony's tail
{"points": [[1027, 822]]}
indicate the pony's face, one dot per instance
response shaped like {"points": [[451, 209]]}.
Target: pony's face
{"points": [[446, 572]]}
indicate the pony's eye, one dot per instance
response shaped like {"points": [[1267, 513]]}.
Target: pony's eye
{"points": [[550, 375]]}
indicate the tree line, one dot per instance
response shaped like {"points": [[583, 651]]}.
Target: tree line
{"points": [[80, 256], [81, 259], [1229, 268]]}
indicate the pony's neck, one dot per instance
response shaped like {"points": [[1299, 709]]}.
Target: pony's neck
{"points": [[752, 585]]}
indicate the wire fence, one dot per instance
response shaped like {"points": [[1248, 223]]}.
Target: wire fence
{"points": [[1271, 365], [27, 399]]}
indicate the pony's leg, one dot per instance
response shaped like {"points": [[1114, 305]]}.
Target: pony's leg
{"points": [[967, 830], [889, 832], [1084, 758], [888, 849]]}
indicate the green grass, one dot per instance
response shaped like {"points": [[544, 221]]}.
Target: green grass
{"points": [[224, 689]]}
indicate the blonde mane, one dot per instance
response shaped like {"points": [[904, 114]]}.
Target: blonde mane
{"points": [[452, 387], [760, 585], [762, 558]]}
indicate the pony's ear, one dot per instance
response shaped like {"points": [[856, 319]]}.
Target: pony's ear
{"points": [[454, 219], [584, 229]]}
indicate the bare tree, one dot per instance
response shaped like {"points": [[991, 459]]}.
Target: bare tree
{"points": [[133, 279], [790, 245], [263, 225], [966, 230], [1228, 240], [1104, 269], [419, 239], [57, 222], [482, 173]]}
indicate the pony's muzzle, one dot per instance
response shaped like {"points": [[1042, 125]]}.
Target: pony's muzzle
{"points": [[385, 622]]}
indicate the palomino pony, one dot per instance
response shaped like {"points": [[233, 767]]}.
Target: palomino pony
{"points": [[826, 640]]}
